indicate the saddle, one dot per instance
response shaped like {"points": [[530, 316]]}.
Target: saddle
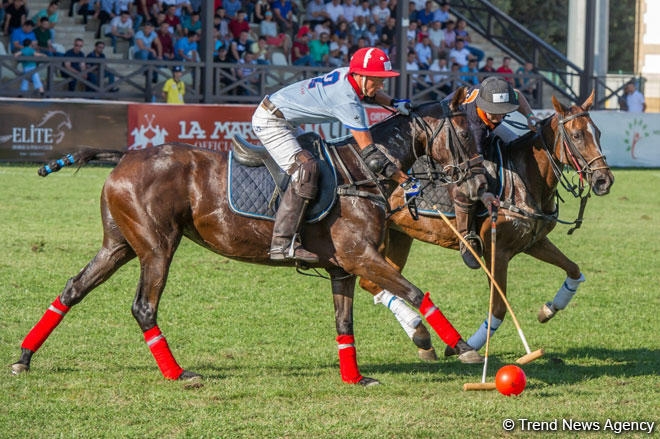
{"points": [[437, 194], [256, 183]]}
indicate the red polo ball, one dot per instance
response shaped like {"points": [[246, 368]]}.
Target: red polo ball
{"points": [[510, 380]]}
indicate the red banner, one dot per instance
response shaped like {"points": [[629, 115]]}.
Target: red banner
{"points": [[208, 126]]}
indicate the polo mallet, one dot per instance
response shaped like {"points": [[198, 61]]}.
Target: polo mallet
{"points": [[529, 356], [483, 385]]}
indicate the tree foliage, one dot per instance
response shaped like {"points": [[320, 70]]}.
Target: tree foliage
{"points": [[549, 20]]}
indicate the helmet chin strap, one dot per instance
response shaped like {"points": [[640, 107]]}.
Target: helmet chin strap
{"points": [[363, 85]]}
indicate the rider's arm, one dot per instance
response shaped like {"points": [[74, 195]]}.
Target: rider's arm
{"points": [[364, 139], [526, 110]]}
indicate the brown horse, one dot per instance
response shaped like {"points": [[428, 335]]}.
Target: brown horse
{"points": [[156, 196], [532, 170]]}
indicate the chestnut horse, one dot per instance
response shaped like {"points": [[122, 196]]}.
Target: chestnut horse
{"points": [[532, 170], [156, 196]]}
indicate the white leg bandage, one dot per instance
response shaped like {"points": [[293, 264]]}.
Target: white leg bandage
{"points": [[566, 292], [478, 339], [408, 318]]}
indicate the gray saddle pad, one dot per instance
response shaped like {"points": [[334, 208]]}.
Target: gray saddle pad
{"points": [[252, 191]]}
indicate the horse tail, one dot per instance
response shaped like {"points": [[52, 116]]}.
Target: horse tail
{"points": [[81, 157]]}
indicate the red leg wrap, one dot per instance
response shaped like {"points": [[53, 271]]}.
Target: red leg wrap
{"points": [[439, 322], [51, 318], [161, 352], [348, 359]]}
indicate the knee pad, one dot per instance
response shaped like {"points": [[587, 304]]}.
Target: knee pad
{"points": [[305, 177]]}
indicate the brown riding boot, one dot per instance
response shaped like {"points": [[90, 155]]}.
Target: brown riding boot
{"points": [[288, 221], [463, 211]]}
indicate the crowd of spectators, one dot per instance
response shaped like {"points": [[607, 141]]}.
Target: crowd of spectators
{"points": [[325, 33]]}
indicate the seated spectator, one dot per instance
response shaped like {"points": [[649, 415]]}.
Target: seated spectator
{"points": [[268, 29], [372, 35], [147, 45], [338, 55], [488, 69], [15, 16], [262, 50], [424, 53], [173, 21], [75, 67], [232, 7], [460, 54], [461, 32], [525, 83], [417, 83], [442, 14], [19, 35], [300, 50], [166, 41], [238, 24], [104, 12], [319, 50], [315, 12], [364, 10], [121, 28], [29, 49], [324, 26], [221, 22], [426, 15], [51, 13], [450, 35], [388, 33], [239, 46], [335, 11], [185, 49], [437, 38], [471, 67], [260, 9], [283, 13], [350, 11], [84, 8], [440, 69], [44, 38], [147, 10], [506, 70], [93, 69], [247, 71], [358, 28], [380, 13], [191, 23]]}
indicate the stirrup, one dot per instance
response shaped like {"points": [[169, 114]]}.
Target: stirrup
{"points": [[477, 246]]}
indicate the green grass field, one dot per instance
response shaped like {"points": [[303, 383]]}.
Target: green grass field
{"points": [[263, 338]]}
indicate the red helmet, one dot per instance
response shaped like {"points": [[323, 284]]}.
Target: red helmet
{"points": [[370, 61]]}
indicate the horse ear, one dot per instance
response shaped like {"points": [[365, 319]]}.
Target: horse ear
{"points": [[459, 97], [559, 107], [586, 106]]}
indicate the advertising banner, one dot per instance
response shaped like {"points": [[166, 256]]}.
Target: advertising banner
{"points": [[39, 131], [208, 126]]}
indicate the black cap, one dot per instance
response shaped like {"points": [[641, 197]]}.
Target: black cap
{"points": [[496, 96]]}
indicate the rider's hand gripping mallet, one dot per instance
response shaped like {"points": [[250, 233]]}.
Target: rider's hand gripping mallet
{"points": [[529, 356], [483, 385]]}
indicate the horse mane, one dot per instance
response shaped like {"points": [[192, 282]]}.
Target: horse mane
{"points": [[526, 138]]}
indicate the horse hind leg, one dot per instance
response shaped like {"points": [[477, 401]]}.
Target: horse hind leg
{"points": [[113, 255]]}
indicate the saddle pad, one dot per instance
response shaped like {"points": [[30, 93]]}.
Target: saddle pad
{"points": [[251, 192]]}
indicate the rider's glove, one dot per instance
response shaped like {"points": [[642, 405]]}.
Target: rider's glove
{"points": [[411, 188], [403, 106], [377, 161]]}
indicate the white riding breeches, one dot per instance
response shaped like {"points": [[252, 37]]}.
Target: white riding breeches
{"points": [[278, 137]]}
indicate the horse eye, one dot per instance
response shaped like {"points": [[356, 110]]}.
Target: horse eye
{"points": [[577, 135]]}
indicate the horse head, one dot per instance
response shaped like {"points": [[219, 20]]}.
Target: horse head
{"points": [[442, 133], [577, 144]]}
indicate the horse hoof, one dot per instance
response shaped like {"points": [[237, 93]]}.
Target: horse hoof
{"points": [[18, 368], [450, 352], [546, 312], [368, 382], [427, 354], [471, 357], [187, 375]]}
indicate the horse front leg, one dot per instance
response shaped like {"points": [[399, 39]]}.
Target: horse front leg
{"points": [[396, 250], [544, 250], [97, 271], [343, 289]]}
